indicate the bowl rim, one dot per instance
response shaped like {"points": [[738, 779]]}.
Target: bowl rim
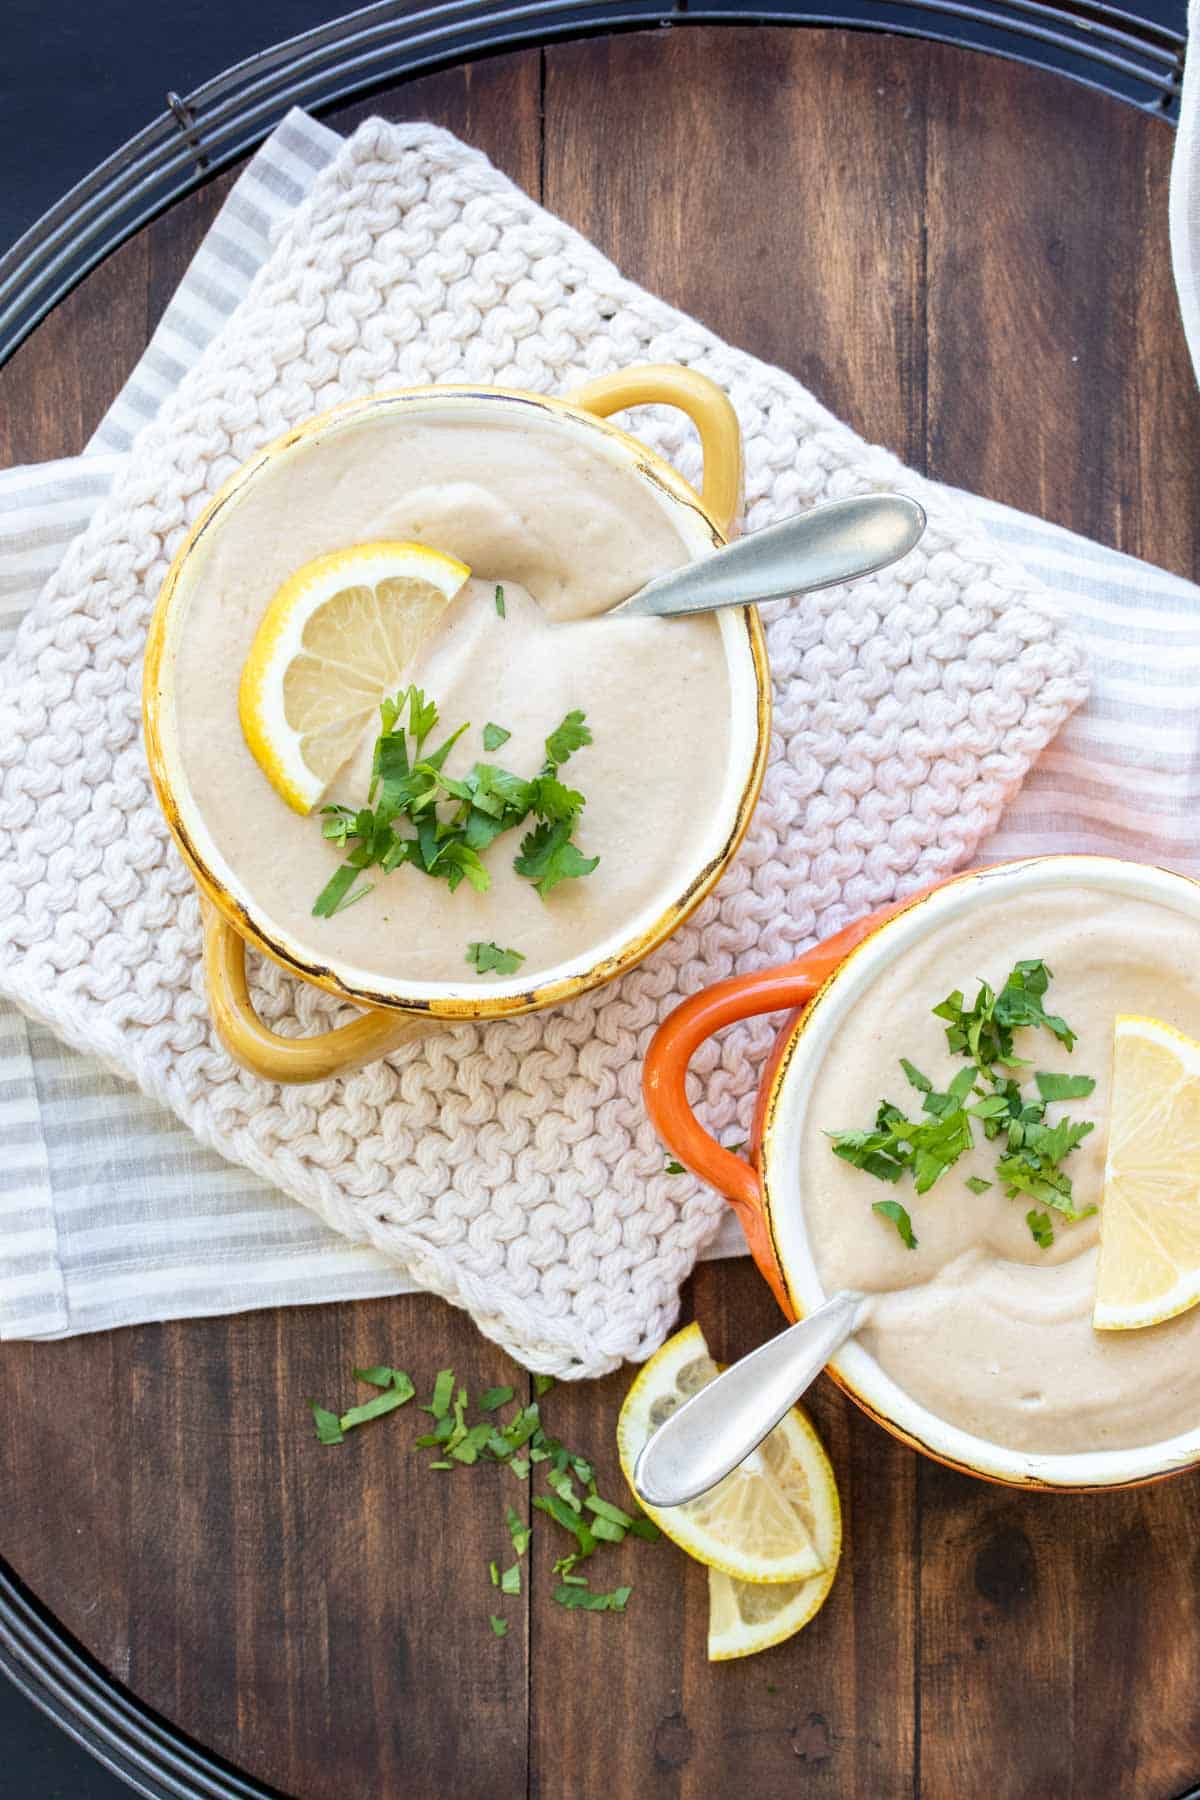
{"points": [[805, 1039], [741, 634]]}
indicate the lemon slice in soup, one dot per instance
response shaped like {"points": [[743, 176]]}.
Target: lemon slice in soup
{"points": [[338, 637], [1149, 1264]]}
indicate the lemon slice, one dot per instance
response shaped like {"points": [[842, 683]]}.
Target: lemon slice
{"points": [[745, 1617], [753, 1525], [337, 637], [1149, 1265]]}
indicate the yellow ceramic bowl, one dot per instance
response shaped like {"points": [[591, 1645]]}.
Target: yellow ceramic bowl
{"points": [[764, 1188], [233, 919]]}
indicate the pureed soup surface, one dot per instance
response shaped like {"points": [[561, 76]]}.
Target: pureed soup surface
{"points": [[977, 1323], [566, 533]]}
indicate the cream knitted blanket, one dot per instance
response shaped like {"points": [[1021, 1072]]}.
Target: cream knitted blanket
{"points": [[510, 1166]]}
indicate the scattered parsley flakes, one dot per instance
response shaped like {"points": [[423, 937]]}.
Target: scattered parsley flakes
{"points": [[604, 1509], [921, 1082], [335, 896], [1064, 1087], [499, 1626], [588, 1520], [500, 602], [329, 1431], [568, 737], [443, 1393], [494, 736], [375, 1408], [491, 959], [671, 1167], [548, 857], [892, 1209], [518, 1530], [382, 1377], [582, 1599], [1040, 1228]]}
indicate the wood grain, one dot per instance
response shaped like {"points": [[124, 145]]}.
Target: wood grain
{"points": [[928, 238]]}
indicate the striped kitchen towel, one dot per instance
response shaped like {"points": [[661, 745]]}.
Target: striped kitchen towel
{"points": [[110, 1211]]}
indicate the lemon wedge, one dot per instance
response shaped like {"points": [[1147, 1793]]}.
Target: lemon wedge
{"points": [[758, 1524], [1149, 1264], [745, 1617], [338, 636]]}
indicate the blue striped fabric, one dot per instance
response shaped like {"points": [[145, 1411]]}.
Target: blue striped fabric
{"points": [[111, 1213]]}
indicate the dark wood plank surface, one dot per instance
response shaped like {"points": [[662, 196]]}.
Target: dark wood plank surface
{"points": [[968, 261]]}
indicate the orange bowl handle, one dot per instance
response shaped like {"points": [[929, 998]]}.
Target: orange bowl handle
{"points": [[262, 1050], [664, 1079], [706, 405]]}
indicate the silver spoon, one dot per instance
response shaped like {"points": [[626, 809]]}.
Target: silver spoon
{"points": [[840, 541], [710, 1434]]}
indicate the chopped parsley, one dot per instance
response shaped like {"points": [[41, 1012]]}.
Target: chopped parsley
{"points": [[571, 1500], [1063, 1087], [671, 1167], [397, 1390], [491, 1398], [489, 958], [571, 735], [892, 1209], [582, 1599], [500, 601], [1040, 1228], [986, 1095], [548, 856], [441, 825], [510, 1580]]}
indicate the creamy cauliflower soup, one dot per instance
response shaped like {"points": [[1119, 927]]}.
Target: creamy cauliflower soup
{"points": [[982, 1323], [566, 531]]}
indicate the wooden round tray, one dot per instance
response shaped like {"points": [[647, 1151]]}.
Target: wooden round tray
{"points": [[968, 260]]}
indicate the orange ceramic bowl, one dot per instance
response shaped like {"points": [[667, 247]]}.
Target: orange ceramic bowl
{"points": [[765, 1191]]}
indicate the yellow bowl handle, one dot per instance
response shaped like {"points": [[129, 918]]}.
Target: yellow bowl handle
{"points": [[706, 405], [262, 1050]]}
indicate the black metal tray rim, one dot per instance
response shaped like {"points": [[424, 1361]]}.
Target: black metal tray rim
{"points": [[1137, 60], [1101, 46]]}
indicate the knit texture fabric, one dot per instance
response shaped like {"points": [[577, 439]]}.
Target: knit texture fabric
{"points": [[510, 1166]]}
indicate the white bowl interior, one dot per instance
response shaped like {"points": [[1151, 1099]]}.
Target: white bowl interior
{"points": [[736, 640], [784, 1133]]}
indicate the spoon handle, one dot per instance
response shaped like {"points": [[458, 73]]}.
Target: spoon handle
{"points": [[840, 541], [714, 1431]]}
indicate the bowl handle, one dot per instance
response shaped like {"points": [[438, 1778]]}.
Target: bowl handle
{"points": [[262, 1050], [706, 405], [664, 1079]]}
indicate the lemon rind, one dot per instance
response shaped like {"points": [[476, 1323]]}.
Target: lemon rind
{"points": [[751, 1644]]}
